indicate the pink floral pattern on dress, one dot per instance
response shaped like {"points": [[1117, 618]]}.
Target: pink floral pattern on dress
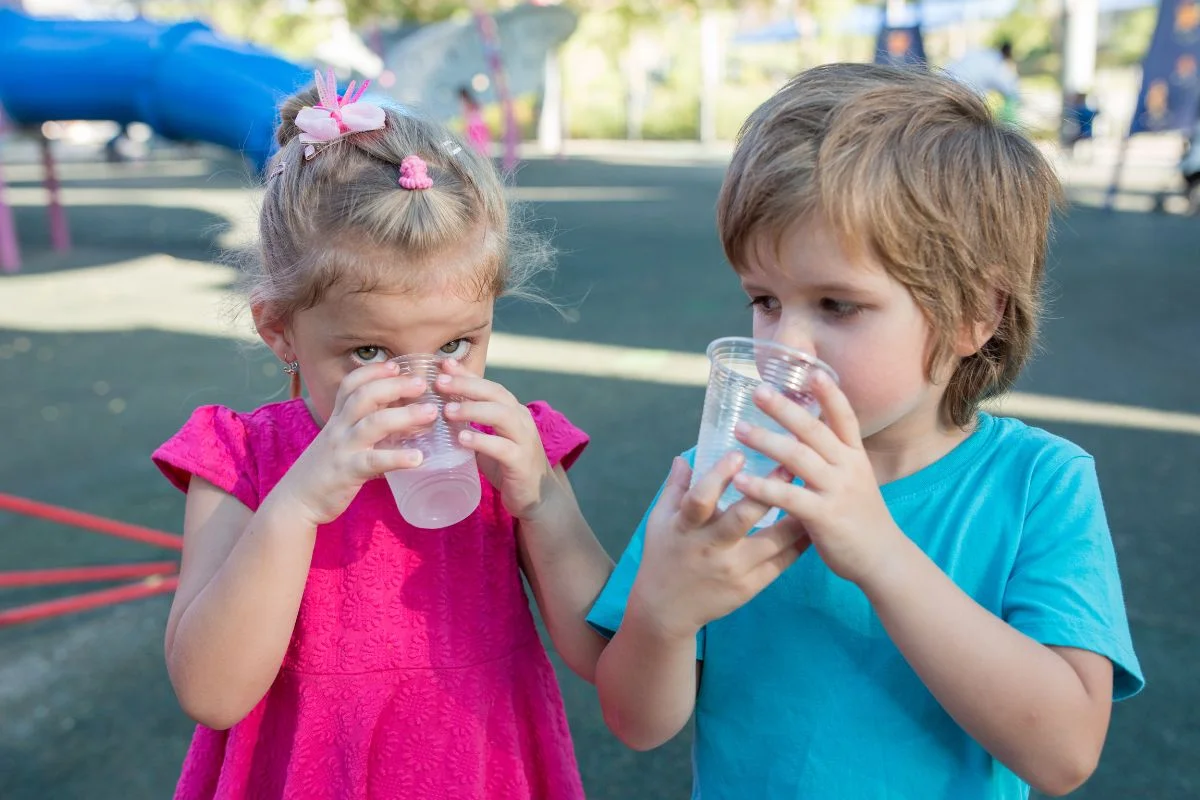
{"points": [[415, 669]]}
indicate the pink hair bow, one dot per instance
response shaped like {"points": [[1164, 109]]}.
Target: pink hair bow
{"points": [[334, 117]]}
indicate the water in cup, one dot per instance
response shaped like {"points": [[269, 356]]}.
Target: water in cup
{"points": [[444, 488], [737, 366]]}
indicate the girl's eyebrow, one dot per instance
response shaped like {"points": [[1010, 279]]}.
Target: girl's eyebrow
{"points": [[352, 336]]}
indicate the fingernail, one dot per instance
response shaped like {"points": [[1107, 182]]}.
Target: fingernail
{"points": [[742, 428], [764, 392], [443, 380], [414, 457], [452, 408], [393, 366], [466, 436], [428, 408]]}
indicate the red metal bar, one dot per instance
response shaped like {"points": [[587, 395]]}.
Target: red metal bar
{"points": [[81, 602], [91, 522], [108, 572]]}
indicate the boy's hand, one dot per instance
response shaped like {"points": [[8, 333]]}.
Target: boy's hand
{"points": [[512, 457], [698, 564], [839, 504]]}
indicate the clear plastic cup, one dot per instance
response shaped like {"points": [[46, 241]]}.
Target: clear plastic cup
{"points": [[444, 488], [737, 366]]}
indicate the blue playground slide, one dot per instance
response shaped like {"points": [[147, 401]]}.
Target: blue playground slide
{"points": [[183, 80]]}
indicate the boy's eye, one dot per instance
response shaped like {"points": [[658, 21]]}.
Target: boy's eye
{"points": [[369, 354], [456, 349], [764, 303], [839, 308]]}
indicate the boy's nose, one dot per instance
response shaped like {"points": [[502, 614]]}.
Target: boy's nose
{"points": [[797, 337]]}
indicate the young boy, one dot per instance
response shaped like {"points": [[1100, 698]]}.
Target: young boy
{"points": [[955, 626]]}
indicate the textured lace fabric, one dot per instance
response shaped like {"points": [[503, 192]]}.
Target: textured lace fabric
{"points": [[415, 669]]}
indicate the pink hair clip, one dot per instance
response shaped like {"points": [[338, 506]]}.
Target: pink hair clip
{"points": [[334, 117], [414, 173]]}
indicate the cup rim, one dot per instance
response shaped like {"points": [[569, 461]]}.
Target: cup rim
{"points": [[792, 352]]}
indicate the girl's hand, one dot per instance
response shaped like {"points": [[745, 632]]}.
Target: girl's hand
{"points": [[839, 505], [699, 564], [343, 456], [512, 457]]}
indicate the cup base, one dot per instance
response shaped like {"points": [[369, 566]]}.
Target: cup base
{"points": [[436, 498]]}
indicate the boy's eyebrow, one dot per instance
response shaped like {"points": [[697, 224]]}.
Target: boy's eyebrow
{"points": [[830, 287]]}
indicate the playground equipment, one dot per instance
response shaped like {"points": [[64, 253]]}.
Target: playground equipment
{"points": [[155, 577], [1169, 98], [183, 80]]}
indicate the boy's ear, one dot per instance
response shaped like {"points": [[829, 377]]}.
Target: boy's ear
{"points": [[273, 331], [974, 335]]}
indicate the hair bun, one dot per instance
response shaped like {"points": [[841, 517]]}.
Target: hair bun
{"points": [[288, 112]]}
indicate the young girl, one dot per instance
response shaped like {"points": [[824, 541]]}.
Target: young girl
{"points": [[327, 648], [955, 626]]}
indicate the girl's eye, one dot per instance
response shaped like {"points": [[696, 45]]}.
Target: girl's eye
{"points": [[764, 303], [839, 308], [369, 354], [456, 349]]}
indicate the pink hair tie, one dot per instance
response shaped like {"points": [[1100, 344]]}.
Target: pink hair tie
{"points": [[414, 173]]}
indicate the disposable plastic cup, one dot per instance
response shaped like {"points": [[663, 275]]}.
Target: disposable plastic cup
{"points": [[444, 488], [737, 366]]}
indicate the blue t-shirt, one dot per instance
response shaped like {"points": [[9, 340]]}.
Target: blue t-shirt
{"points": [[804, 695]]}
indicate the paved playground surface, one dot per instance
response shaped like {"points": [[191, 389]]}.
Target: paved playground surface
{"points": [[104, 352]]}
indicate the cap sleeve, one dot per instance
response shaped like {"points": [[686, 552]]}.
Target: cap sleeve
{"points": [[562, 441], [214, 445]]}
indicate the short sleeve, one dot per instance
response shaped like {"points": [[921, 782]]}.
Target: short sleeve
{"points": [[1064, 590], [562, 441], [609, 608], [214, 445]]}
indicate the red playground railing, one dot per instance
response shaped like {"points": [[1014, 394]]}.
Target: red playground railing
{"points": [[152, 577]]}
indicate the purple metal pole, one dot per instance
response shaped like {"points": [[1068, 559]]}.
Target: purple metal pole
{"points": [[10, 253], [60, 236], [491, 46]]}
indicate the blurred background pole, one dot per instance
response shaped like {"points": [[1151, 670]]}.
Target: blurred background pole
{"points": [[550, 123], [1080, 26]]}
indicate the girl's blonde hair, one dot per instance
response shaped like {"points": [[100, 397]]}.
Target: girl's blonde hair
{"points": [[912, 168], [342, 219]]}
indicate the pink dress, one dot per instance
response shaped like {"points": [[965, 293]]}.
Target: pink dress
{"points": [[415, 669]]}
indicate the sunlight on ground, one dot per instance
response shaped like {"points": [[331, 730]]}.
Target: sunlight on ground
{"points": [[164, 293]]}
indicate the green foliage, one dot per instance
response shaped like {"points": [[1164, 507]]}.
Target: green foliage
{"points": [[1129, 38]]}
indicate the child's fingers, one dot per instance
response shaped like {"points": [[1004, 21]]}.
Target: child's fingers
{"points": [[503, 451], [390, 421], [798, 501], [765, 545], [797, 420], [737, 520], [700, 502], [792, 455], [511, 421], [771, 568], [674, 489], [836, 410], [380, 393], [373, 463], [471, 387], [360, 377]]}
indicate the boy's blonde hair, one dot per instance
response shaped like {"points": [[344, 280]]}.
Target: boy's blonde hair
{"points": [[911, 168], [342, 219]]}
